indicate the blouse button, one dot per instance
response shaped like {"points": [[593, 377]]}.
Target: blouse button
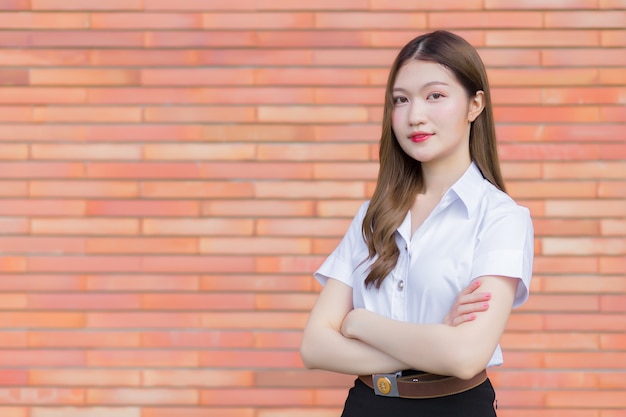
{"points": [[400, 285]]}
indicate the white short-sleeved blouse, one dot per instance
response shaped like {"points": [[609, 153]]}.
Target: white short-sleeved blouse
{"points": [[475, 230]]}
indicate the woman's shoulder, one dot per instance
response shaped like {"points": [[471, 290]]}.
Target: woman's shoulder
{"points": [[498, 203]]}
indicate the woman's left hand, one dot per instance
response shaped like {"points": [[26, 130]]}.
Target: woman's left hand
{"points": [[467, 304]]}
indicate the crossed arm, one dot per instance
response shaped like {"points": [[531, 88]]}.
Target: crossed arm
{"points": [[357, 341]]}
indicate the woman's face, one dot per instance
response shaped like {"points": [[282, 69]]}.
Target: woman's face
{"points": [[432, 114]]}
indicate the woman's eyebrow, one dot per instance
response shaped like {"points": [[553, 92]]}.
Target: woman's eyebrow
{"points": [[428, 84]]}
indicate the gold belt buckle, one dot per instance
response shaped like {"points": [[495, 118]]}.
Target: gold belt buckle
{"points": [[386, 384]]}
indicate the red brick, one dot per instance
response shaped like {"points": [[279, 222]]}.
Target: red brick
{"points": [[207, 189], [397, 38], [539, 4], [14, 339], [134, 320], [583, 284], [145, 20], [311, 190], [194, 152], [86, 377], [14, 4], [203, 411], [566, 303], [368, 20], [255, 320], [258, 133], [82, 339], [585, 95], [13, 188], [198, 5], [257, 57], [582, 208], [613, 38], [257, 283], [141, 245], [440, 5], [605, 399], [584, 322], [311, 76], [41, 320], [152, 208], [83, 189], [256, 95], [611, 76], [40, 396], [319, 5], [144, 132], [141, 396], [197, 378], [613, 227], [42, 207], [264, 397], [543, 77], [13, 377], [255, 245], [314, 39], [142, 57], [86, 411], [296, 227], [198, 264], [85, 226], [485, 19], [206, 226], [313, 152], [35, 95], [32, 282], [197, 302], [38, 21], [289, 302], [584, 170], [36, 244], [581, 57], [258, 20], [163, 282], [14, 77], [258, 170], [142, 358], [585, 19], [191, 339], [83, 302], [73, 5], [85, 38], [197, 76], [204, 39], [87, 151], [71, 263], [141, 170], [192, 114], [83, 77], [570, 342], [34, 57], [548, 152], [16, 113]]}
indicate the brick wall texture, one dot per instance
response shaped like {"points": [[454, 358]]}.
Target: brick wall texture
{"points": [[172, 172]]}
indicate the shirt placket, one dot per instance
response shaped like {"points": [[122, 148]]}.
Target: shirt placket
{"points": [[399, 289]]}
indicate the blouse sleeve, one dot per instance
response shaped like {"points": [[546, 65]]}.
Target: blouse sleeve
{"points": [[340, 264], [505, 247]]}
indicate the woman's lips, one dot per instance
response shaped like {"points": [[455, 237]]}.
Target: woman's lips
{"points": [[420, 137]]}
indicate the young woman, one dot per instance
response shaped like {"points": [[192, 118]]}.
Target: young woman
{"points": [[399, 305]]}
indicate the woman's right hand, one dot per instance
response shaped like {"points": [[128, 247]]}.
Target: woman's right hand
{"points": [[467, 304]]}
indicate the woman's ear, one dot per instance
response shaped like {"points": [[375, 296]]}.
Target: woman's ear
{"points": [[476, 106]]}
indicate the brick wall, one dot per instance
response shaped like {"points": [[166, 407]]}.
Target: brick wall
{"points": [[171, 172]]}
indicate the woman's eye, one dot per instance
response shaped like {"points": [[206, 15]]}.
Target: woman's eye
{"points": [[399, 100], [434, 96]]}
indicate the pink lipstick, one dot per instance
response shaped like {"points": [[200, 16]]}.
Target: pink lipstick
{"points": [[418, 137]]}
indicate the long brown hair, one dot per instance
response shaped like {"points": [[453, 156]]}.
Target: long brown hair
{"points": [[399, 175]]}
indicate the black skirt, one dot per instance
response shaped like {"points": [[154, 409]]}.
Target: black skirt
{"points": [[476, 402]]}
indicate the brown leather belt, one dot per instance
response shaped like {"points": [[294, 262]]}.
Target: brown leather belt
{"points": [[420, 384]]}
